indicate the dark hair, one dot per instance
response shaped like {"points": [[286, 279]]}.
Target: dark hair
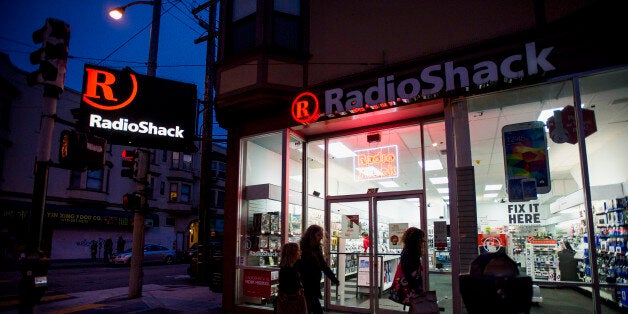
{"points": [[413, 239], [309, 243], [289, 254]]}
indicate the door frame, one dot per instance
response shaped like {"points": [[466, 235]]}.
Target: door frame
{"points": [[372, 199]]}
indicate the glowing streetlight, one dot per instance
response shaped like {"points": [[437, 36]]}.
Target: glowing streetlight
{"points": [[116, 14]]}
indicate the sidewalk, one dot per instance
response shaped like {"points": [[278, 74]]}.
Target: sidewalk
{"points": [[155, 298]]}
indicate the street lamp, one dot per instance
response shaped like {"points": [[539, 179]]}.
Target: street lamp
{"points": [[136, 273], [116, 13]]}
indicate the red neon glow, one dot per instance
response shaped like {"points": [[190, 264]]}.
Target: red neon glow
{"points": [[305, 108], [92, 85], [376, 163]]}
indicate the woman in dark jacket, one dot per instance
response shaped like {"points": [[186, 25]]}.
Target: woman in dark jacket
{"points": [[413, 240], [290, 286], [312, 264]]}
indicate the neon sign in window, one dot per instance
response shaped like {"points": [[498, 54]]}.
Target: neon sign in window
{"points": [[376, 163]]}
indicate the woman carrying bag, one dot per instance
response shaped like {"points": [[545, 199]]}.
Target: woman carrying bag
{"points": [[290, 297], [407, 286]]}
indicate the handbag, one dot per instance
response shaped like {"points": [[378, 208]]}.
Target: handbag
{"points": [[291, 303], [424, 303], [400, 292]]}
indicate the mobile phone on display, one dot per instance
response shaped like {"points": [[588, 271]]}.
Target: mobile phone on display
{"points": [[526, 160]]}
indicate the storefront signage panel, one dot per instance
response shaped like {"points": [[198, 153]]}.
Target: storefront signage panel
{"points": [[257, 282], [137, 110], [376, 163], [524, 214], [433, 81]]}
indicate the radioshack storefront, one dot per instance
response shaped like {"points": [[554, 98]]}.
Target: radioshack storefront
{"points": [[517, 148]]}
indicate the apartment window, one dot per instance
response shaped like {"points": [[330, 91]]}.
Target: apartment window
{"points": [[75, 179], [186, 191], [243, 14], [164, 155], [94, 180], [219, 200], [162, 188], [176, 160], [174, 192], [181, 161], [219, 169], [150, 188], [170, 221], [287, 24]]}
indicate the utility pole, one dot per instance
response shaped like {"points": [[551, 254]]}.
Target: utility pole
{"points": [[136, 275], [52, 60], [205, 213]]}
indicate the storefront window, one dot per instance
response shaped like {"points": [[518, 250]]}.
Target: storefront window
{"points": [[386, 160], [605, 113], [529, 181]]}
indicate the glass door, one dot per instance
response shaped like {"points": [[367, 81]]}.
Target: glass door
{"points": [[365, 245]]}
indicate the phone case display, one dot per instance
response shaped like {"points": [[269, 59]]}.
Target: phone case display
{"points": [[611, 241], [542, 259]]}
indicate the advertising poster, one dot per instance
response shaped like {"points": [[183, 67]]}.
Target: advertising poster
{"points": [[257, 283], [351, 226], [440, 235], [396, 232]]}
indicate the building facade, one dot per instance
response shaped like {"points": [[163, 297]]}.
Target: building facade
{"points": [[491, 126], [86, 206]]}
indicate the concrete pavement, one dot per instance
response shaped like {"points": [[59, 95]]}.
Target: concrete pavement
{"points": [[154, 299]]}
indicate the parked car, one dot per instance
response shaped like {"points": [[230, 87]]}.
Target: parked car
{"points": [[153, 253]]}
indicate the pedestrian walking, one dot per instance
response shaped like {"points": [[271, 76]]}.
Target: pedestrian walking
{"points": [[108, 250], [94, 249], [290, 297], [312, 264], [120, 245]]}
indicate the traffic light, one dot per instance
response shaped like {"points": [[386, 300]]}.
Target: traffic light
{"points": [[130, 163], [133, 201], [52, 57]]}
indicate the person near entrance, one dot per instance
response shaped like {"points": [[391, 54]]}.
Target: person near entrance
{"points": [[290, 297], [366, 241], [312, 264], [413, 240], [567, 264]]}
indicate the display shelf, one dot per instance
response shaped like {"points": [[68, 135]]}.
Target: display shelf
{"points": [[542, 260]]}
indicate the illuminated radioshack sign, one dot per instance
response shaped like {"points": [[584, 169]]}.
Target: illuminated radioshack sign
{"points": [[428, 82], [137, 110], [376, 163]]}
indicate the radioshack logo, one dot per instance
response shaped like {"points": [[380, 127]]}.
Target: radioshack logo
{"points": [[305, 108], [106, 100]]}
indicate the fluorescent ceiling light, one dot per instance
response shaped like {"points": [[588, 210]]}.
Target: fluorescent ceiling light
{"points": [[413, 200], [490, 195], [388, 184], [297, 178], [338, 150], [445, 197], [443, 191], [439, 180], [431, 165], [492, 187]]}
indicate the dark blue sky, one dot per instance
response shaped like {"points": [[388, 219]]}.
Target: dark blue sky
{"points": [[98, 39]]}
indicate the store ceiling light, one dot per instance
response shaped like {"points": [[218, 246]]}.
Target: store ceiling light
{"points": [[490, 195], [431, 165], [443, 190], [338, 150], [492, 187], [388, 184], [439, 180]]}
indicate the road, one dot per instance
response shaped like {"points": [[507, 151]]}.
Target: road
{"points": [[70, 280]]}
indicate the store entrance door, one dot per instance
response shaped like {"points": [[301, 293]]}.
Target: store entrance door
{"points": [[365, 267]]}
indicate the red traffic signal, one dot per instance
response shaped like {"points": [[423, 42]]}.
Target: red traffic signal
{"points": [[132, 201], [129, 163]]}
